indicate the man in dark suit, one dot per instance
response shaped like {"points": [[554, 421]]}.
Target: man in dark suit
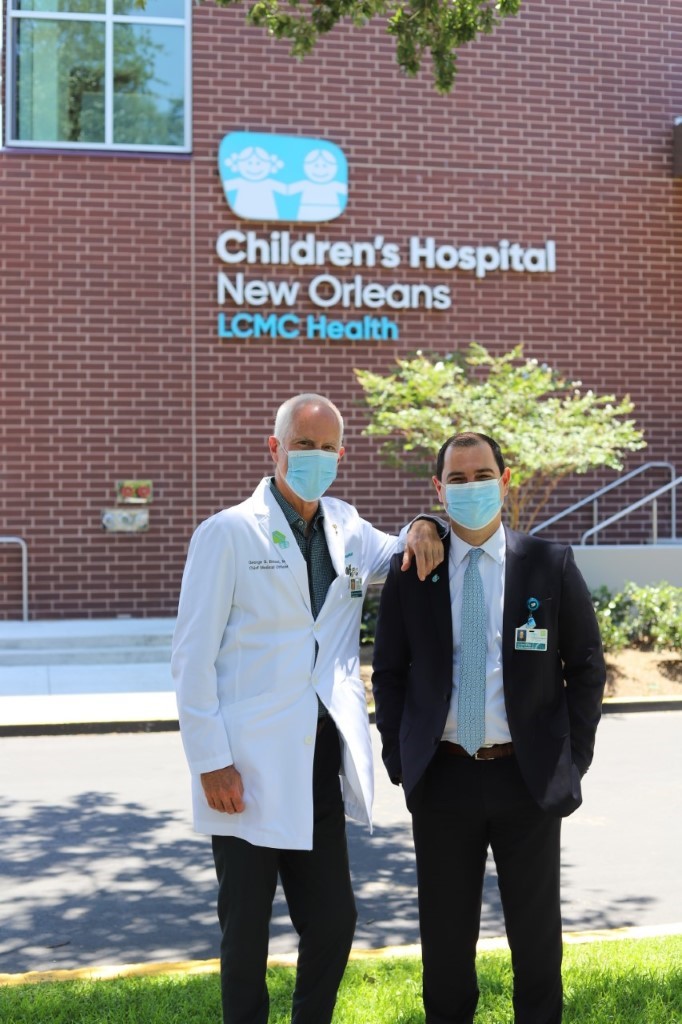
{"points": [[488, 684]]}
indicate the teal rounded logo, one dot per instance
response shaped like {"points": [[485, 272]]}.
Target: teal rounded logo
{"points": [[283, 177]]}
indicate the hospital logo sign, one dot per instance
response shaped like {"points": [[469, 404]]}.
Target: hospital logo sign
{"points": [[283, 177]]}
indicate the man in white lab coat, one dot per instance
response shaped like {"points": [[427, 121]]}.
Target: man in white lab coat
{"points": [[272, 708]]}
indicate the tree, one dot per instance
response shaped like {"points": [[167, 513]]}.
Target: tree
{"points": [[547, 427], [419, 27]]}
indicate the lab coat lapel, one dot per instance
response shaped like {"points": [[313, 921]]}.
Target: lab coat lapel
{"points": [[333, 531], [274, 525]]}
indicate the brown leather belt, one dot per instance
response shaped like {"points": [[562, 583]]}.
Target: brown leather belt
{"points": [[483, 754]]}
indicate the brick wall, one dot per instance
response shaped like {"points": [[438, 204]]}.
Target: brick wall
{"points": [[560, 126]]}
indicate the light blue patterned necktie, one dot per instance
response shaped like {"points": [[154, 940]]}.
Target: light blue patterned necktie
{"points": [[471, 701]]}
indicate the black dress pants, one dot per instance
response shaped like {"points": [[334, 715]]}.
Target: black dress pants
{"points": [[319, 896], [465, 807]]}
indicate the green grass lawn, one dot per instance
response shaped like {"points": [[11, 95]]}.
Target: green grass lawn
{"points": [[636, 981]]}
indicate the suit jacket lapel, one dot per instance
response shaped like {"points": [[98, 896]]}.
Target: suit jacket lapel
{"points": [[514, 597]]}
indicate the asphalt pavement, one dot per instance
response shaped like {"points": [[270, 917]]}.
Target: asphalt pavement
{"points": [[99, 863]]}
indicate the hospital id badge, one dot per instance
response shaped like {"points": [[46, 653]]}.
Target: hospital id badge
{"points": [[355, 586], [530, 639]]}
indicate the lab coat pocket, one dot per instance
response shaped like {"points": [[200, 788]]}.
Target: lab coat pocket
{"points": [[272, 737]]}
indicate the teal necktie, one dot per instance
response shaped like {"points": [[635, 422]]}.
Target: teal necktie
{"points": [[471, 702]]}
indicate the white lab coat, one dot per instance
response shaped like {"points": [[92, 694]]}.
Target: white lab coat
{"points": [[245, 669]]}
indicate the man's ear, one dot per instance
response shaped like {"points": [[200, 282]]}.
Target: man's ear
{"points": [[273, 445], [437, 484], [505, 478], [342, 452]]}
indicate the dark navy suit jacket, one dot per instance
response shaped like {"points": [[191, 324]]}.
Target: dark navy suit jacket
{"points": [[553, 698]]}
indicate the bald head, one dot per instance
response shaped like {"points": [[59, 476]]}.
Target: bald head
{"points": [[308, 402]]}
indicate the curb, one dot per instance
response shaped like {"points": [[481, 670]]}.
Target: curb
{"points": [[87, 728], [194, 967], [618, 705], [614, 706]]}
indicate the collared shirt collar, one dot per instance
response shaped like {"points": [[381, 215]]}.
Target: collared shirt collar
{"points": [[291, 515], [495, 546]]}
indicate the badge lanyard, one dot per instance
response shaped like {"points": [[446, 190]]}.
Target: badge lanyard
{"points": [[528, 637]]}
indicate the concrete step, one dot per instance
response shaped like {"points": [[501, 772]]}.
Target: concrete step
{"points": [[86, 641], [54, 679], [137, 642], [85, 654]]}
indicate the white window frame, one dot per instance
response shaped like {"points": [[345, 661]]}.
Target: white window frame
{"points": [[109, 19]]}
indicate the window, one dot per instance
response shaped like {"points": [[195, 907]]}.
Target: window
{"points": [[99, 74]]}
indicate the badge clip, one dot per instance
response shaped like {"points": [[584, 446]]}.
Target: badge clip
{"points": [[354, 580], [528, 637]]}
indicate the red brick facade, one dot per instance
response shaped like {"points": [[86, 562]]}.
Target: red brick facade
{"points": [[559, 127]]}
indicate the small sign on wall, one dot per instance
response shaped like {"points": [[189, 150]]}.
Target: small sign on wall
{"points": [[134, 492], [125, 520]]}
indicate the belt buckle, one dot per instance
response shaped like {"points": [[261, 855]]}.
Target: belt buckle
{"points": [[478, 758]]}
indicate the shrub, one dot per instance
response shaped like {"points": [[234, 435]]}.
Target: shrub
{"points": [[370, 610], [612, 616], [648, 617]]}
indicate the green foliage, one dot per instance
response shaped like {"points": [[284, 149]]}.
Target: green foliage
{"points": [[644, 617], [546, 426], [626, 981], [156, 1000], [419, 27], [611, 615], [370, 611], [647, 617]]}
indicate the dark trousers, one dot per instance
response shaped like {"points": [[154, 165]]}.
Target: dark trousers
{"points": [[465, 807], [319, 896]]}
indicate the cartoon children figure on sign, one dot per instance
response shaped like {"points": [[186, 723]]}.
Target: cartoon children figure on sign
{"points": [[254, 187], [283, 177], [320, 191]]}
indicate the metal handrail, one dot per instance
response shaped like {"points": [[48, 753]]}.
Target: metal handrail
{"points": [[610, 487], [631, 508], [24, 570]]}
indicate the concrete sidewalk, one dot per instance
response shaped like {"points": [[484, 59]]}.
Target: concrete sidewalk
{"points": [[86, 673], [80, 675]]}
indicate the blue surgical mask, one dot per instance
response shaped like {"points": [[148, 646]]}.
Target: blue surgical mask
{"points": [[310, 473], [475, 505]]}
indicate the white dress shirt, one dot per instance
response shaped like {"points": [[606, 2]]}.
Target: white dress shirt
{"points": [[491, 566]]}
